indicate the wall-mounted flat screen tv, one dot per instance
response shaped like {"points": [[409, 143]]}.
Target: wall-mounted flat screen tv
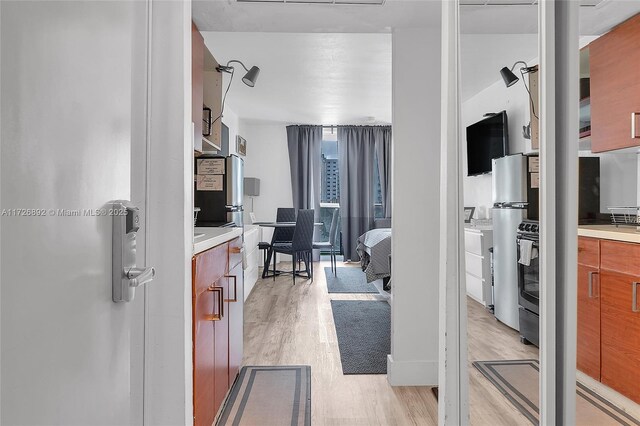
{"points": [[487, 139]]}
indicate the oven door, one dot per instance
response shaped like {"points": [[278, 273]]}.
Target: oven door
{"points": [[529, 282]]}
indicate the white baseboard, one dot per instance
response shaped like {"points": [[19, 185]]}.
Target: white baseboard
{"points": [[412, 373]]}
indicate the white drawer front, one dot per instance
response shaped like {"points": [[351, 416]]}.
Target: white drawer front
{"points": [[473, 243], [474, 287], [251, 238], [252, 260], [474, 265]]}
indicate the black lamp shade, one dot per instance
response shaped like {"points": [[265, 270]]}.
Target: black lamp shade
{"points": [[251, 76], [509, 77]]}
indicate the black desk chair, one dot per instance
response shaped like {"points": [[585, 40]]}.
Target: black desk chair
{"points": [[280, 235], [331, 244], [301, 246]]}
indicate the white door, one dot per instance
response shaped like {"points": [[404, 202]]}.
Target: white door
{"points": [[73, 116]]}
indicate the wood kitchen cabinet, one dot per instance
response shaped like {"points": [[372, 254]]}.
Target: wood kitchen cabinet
{"points": [[217, 327], [221, 344], [615, 87], [588, 350], [197, 85], [620, 317], [236, 323], [608, 316]]}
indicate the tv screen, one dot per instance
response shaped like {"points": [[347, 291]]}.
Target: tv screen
{"points": [[487, 139]]}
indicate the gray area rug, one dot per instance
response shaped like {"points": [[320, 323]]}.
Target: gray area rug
{"points": [[269, 395], [348, 280], [518, 381], [364, 335]]}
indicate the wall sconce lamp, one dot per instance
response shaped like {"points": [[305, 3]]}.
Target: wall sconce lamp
{"points": [[510, 79], [249, 79]]}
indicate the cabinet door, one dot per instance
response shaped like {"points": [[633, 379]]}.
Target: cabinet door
{"points": [[197, 84], [221, 343], [620, 334], [589, 321], [236, 320], [203, 359], [615, 86]]}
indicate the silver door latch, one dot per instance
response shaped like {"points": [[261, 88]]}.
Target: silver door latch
{"points": [[126, 274]]}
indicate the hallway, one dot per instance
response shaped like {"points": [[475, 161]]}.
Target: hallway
{"points": [[287, 324]]}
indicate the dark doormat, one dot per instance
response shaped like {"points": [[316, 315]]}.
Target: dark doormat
{"points": [[518, 381], [364, 335], [348, 280], [269, 395]]}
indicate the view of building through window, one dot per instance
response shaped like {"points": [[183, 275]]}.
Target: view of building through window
{"points": [[330, 182]]}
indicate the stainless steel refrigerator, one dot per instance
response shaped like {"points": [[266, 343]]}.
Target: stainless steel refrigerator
{"points": [[219, 190], [509, 185]]}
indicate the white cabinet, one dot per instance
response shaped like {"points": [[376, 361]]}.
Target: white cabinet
{"points": [[477, 242], [251, 258]]}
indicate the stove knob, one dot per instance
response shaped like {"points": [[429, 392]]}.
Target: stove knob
{"points": [[527, 227], [534, 228], [521, 227]]}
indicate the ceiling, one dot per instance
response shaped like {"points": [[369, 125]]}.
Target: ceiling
{"points": [[483, 55], [331, 64], [523, 19], [230, 15], [309, 78]]}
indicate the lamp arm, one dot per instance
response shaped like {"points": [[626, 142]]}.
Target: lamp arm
{"points": [[243, 66], [519, 62]]}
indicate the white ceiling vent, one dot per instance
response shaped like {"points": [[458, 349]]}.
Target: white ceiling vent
{"points": [[584, 3], [349, 2]]}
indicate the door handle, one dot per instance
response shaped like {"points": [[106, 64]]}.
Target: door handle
{"points": [[140, 276], [125, 274], [591, 274], [634, 297], [235, 288], [217, 316], [634, 134]]}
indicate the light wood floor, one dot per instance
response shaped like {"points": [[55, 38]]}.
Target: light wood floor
{"points": [[287, 324]]}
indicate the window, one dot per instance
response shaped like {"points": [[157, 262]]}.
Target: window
{"points": [[330, 182]]}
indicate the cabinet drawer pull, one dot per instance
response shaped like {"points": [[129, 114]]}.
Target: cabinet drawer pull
{"points": [[634, 134], [217, 316], [634, 297], [235, 288], [236, 250], [591, 274]]}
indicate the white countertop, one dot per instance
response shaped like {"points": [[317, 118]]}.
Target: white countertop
{"points": [[213, 237], [478, 228], [610, 232]]}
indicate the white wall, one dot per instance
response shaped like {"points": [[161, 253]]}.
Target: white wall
{"points": [[495, 98], [268, 160], [617, 170], [232, 121], [416, 194]]}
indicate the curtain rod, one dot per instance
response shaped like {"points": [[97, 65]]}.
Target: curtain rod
{"points": [[333, 126]]}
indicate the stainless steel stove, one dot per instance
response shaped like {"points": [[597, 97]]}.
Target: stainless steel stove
{"points": [[529, 281]]}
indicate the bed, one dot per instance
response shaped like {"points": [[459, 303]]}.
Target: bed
{"points": [[374, 249]]}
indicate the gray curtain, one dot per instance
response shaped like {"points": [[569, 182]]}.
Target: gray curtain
{"points": [[383, 152], [357, 148], [305, 145]]}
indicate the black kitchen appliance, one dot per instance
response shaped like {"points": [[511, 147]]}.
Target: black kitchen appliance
{"points": [[219, 190], [529, 283]]}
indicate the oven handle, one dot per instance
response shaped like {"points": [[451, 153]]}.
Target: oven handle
{"points": [[591, 274]]}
